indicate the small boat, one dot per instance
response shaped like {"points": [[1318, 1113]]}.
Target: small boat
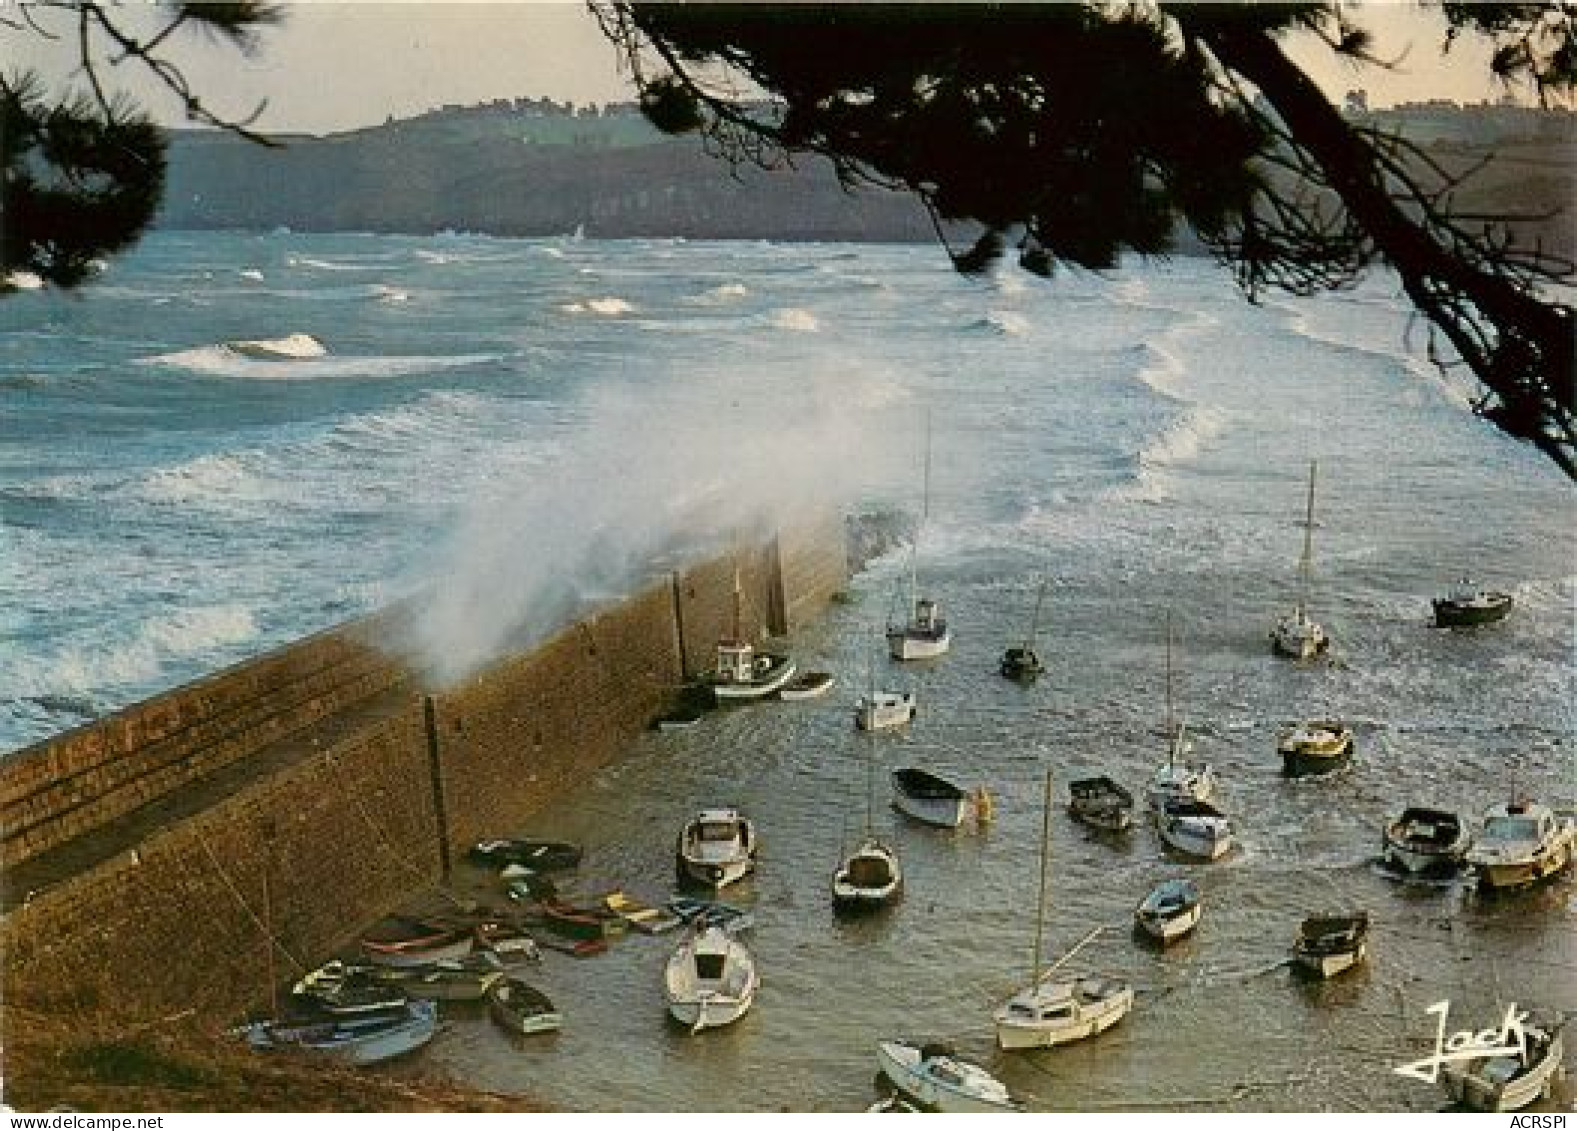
{"points": [[930, 799], [678, 720], [1509, 1081], [1425, 842], [1049, 1010], [870, 876], [883, 710], [1330, 943], [1101, 803], [292, 347], [443, 982], [520, 1008], [643, 917], [538, 855], [740, 674], [410, 942], [1176, 779], [1021, 661], [700, 913], [1309, 748], [1467, 605], [1295, 635], [936, 1079], [341, 989], [710, 981], [578, 922], [809, 685], [1170, 911], [716, 848], [354, 1040], [1521, 843], [1194, 828]]}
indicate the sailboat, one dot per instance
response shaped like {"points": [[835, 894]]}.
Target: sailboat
{"points": [[870, 876], [1021, 661], [1176, 780], [925, 635], [1054, 1011], [1296, 635], [740, 673]]}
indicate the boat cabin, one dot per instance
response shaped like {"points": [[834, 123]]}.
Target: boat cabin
{"points": [[927, 616], [718, 826], [1517, 826], [709, 965], [736, 661]]}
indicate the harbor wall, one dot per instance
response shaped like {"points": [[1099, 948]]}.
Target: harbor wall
{"points": [[367, 785]]}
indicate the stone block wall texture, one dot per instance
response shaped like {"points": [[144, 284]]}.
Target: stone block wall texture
{"points": [[313, 854], [334, 839], [529, 729], [68, 786], [812, 561]]}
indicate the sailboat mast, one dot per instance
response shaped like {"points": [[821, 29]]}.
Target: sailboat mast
{"points": [[1045, 870], [1171, 723], [1306, 562], [1034, 621]]}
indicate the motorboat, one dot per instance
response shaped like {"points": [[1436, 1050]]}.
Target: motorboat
{"points": [[1295, 634], [1509, 1081], [367, 1039], [935, 1078], [710, 980], [1521, 843], [808, 685], [1329, 943], [740, 673], [884, 710], [716, 848], [1467, 605], [1022, 662], [1101, 803], [1425, 842], [1194, 828], [1314, 747], [1170, 911], [521, 1008]]}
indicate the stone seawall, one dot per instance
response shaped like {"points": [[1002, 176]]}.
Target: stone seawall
{"points": [[181, 854]]}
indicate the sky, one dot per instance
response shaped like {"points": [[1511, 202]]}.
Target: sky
{"points": [[341, 64]]}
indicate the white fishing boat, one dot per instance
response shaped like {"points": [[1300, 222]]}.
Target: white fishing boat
{"points": [[924, 635], [1509, 1081], [870, 876], [1331, 943], [1425, 842], [1055, 1009], [716, 848], [936, 1079], [1314, 747], [1194, 828], [1171, 910], [1296, 634], [710, 981], [884, 710], [1022, 662], [740, 673], [1176, 779], [1521, 843], [930, 799]]}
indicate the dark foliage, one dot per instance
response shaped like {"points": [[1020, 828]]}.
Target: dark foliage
{"points": [[1076, 132]]}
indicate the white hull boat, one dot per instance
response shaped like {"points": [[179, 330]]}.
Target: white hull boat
{"points": [[884, 710], [710, 981], [1521, 843], [936, 1080], [1176, 779], [925, 636], [740, 674], [1317, 747], [1171, 910], [929, 799], [354, 1040], [869, 877], [717, 848], [810, 685], [1195, 828], [1329, 944], [1509, 1082]]}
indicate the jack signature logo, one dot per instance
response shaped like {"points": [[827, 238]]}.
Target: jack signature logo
{"points": [[1509, 1039]]}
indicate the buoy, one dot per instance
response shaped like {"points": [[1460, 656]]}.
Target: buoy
{"points": [[985, 808]]}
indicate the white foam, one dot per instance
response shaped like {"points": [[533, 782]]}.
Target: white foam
{"points": [[608, 307], [796, 320]]}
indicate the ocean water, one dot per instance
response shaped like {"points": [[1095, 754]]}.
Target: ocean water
{"points": [[503, 429]]}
